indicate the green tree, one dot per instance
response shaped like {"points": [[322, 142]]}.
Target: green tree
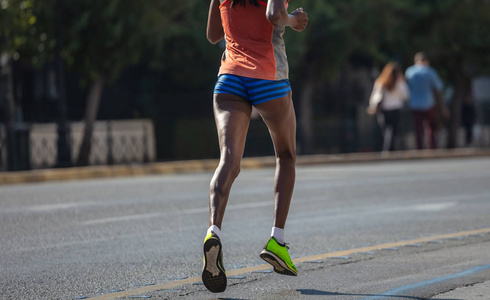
{"points": [[101, 38], [23, 38], [106, 37]]}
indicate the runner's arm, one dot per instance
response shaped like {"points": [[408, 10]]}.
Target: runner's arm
{"points": [[214, 30], [278, 15]]}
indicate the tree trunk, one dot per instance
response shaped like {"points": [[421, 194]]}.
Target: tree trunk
{"points": [[306, 117], [63, 144], [91, 111]]}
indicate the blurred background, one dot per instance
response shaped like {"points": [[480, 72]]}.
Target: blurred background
{"points": [[86, 82]]}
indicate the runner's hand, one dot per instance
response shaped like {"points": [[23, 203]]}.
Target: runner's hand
{"points": [[299, 19]]}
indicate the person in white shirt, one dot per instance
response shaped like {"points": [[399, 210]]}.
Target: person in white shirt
{"points": [[387, 99]]}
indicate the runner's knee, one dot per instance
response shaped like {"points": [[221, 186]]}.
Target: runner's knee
{"points": [[231, 163], [288, 155], [228, 170]]}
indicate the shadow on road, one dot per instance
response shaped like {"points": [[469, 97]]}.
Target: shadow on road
{"points": [[229, 299], [314, 292]]}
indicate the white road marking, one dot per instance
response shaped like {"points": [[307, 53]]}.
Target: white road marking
{"points": [[185, 211], [433, 206], [122, 218]]}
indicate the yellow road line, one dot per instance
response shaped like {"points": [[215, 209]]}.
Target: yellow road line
{"points": [[177, 283]]}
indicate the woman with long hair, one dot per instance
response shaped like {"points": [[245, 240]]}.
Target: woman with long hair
{"points": [[387, 100], [253, 72]]}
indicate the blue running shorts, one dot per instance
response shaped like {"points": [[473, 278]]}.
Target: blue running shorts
{"points": [[254, 90]]}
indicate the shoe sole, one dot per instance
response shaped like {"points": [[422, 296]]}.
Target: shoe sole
{"points": [[213, 277], [278, 264]]}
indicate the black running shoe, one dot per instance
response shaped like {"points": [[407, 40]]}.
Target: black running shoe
{"points": [[213, 271]]}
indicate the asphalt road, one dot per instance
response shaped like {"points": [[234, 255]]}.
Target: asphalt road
{"points": [[143, 235]]}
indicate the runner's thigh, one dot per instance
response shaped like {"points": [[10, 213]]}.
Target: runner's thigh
{"points": [[280, 118]]}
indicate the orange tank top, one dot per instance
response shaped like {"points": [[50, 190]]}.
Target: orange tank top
{"points": [[254, 47]]}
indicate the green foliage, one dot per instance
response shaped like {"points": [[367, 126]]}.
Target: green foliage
{"points": [[184, 52], [103, 37], [108, 36], [26, 31], [384, 29], [458, 33], [340, 28]]}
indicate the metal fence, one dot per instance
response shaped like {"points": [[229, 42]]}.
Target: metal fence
{"points": [[113, 142], [133, 141], [3, 148]]}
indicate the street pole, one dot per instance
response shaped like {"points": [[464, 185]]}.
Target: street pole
{"points": [[64, 149]]}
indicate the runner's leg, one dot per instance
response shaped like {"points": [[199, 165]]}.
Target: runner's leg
{"points": [[232, 117], [279, 116]]}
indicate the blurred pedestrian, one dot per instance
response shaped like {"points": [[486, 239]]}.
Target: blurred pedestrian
{"points": [[387, 99], [254, 72], [425, 88]]}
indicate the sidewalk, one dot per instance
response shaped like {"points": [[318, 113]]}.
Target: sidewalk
{"points": [[77, 173]]}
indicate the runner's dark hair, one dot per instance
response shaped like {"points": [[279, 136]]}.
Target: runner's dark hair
{"points": [[242, 2]]}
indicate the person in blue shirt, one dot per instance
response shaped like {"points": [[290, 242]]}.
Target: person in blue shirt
{"points": [[423, 82]]}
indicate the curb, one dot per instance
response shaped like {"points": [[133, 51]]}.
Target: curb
{"points": [[174, 167]]}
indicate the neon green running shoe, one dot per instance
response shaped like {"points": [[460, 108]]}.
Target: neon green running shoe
{"points": [[213, 272], [277, 255]]}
